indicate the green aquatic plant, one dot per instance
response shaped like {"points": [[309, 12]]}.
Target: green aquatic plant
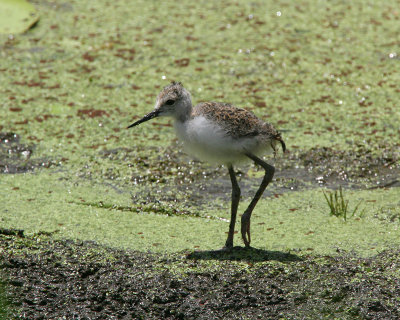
{"points": [[339, 207]]}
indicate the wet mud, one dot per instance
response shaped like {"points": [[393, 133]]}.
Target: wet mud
{"points": [[359, 168], [297, 170], [17, 157]]}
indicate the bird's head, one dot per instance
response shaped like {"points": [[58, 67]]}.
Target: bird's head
{"points": [[173, 101]]}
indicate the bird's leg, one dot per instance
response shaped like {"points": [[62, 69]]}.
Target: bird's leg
{"points": [[269, 173], [234, 206]]}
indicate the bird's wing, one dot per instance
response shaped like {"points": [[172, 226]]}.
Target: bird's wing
{"points": [[237, 122]]}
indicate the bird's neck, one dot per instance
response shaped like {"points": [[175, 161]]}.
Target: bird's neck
{"points": [[183, 112]]}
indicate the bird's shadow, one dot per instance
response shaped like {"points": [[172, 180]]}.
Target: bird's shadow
{"points": [[244, 254]]}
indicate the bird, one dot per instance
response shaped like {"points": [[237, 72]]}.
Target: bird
{"points": [[220, 133]]}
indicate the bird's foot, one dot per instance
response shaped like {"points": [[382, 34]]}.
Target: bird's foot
{"points": [[226, 249]]}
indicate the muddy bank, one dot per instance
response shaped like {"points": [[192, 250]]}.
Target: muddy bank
{"points": [[49, 279]]}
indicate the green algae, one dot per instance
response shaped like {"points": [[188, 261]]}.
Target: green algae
{"points": [[323, 73], [295, 222]]}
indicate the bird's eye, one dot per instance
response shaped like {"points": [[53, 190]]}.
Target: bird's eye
{"points": [[170, 102]]}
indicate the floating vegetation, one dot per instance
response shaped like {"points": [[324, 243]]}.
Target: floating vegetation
{"points": [[163, 210]]}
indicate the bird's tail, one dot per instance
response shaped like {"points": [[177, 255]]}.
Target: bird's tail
{"points": [[278, 137]]}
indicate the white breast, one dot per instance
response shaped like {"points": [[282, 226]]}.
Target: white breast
{"points": [[208, 141]]}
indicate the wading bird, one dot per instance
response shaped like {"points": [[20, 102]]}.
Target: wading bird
{"points": [[220, 133]]}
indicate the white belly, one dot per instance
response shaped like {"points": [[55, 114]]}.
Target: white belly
{"points": [[207, 141]]}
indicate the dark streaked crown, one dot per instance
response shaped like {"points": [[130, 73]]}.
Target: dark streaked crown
{"points": [[173, 90]]}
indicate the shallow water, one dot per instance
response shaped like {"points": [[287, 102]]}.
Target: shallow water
{"points": [[74, 82]]}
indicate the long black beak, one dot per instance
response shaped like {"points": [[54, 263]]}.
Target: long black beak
{"points": [[147, 117]]}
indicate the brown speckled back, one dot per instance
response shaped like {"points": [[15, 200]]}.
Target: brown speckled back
{"points": [[238, 123]]}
